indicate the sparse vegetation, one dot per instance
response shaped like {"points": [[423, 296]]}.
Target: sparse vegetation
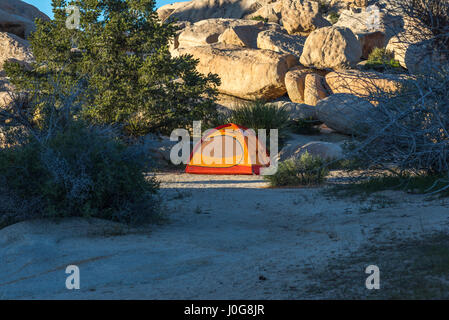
{"points": [[307, 170], [260, 115], [333, 17], [410, 269], [259, 18], [382, 60], [419, 184]]}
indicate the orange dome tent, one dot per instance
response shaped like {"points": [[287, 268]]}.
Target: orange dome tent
{"points": [[228, 149]]}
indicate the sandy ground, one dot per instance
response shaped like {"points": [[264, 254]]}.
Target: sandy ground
{"points": [[227, 237]]}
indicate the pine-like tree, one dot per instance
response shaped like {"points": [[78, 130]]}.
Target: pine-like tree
{"points": [[119, 55]]}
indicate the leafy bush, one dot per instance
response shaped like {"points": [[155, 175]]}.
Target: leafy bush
{"points": [[81, 171], [120, 51], [260, 115], [333, 17], [381, 60], [260, 18], [59, 166], [306, 170]]}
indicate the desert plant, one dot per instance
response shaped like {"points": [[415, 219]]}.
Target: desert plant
{"points": [[63, 167], [426, 21], [307, 170], [410, 131], [260, 18], [120, 50], [381, 59], [333, 17], [260, 115]]}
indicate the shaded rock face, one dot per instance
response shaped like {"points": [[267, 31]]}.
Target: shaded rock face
{"points": [[281, 42], [370, 41], [17, 17], [371, 35], [296, 111], [319, 149], [197, 10], [416, 57], [345, 113], [362, 84], [331, 47], [245, 73], [302, 16]]}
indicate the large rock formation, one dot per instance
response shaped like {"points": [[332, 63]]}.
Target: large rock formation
{"points": [[296, 111], [362, 84], [246, 34], [314, 89], [331, 47], [197, 10], [17, 17], [271, 12], [165, 11], [418, 56], [295, 83], [345, 113], [302, 16], [244, 72], [238, 32], [281, 42]]}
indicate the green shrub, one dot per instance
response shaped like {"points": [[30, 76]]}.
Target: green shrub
{"points": [[53, 164], [260, 115], [333, 17], [307, 170], [81, 171], [407, 182], [121, 51], [260, 18], [381, 60]]}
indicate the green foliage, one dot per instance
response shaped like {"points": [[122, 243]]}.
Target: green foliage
{"points": [[307, 170], [333, 17], [56, 165], [260, 115], [381, 60], [80, 171], [120, 57], [420, 184], [260, 18]]}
